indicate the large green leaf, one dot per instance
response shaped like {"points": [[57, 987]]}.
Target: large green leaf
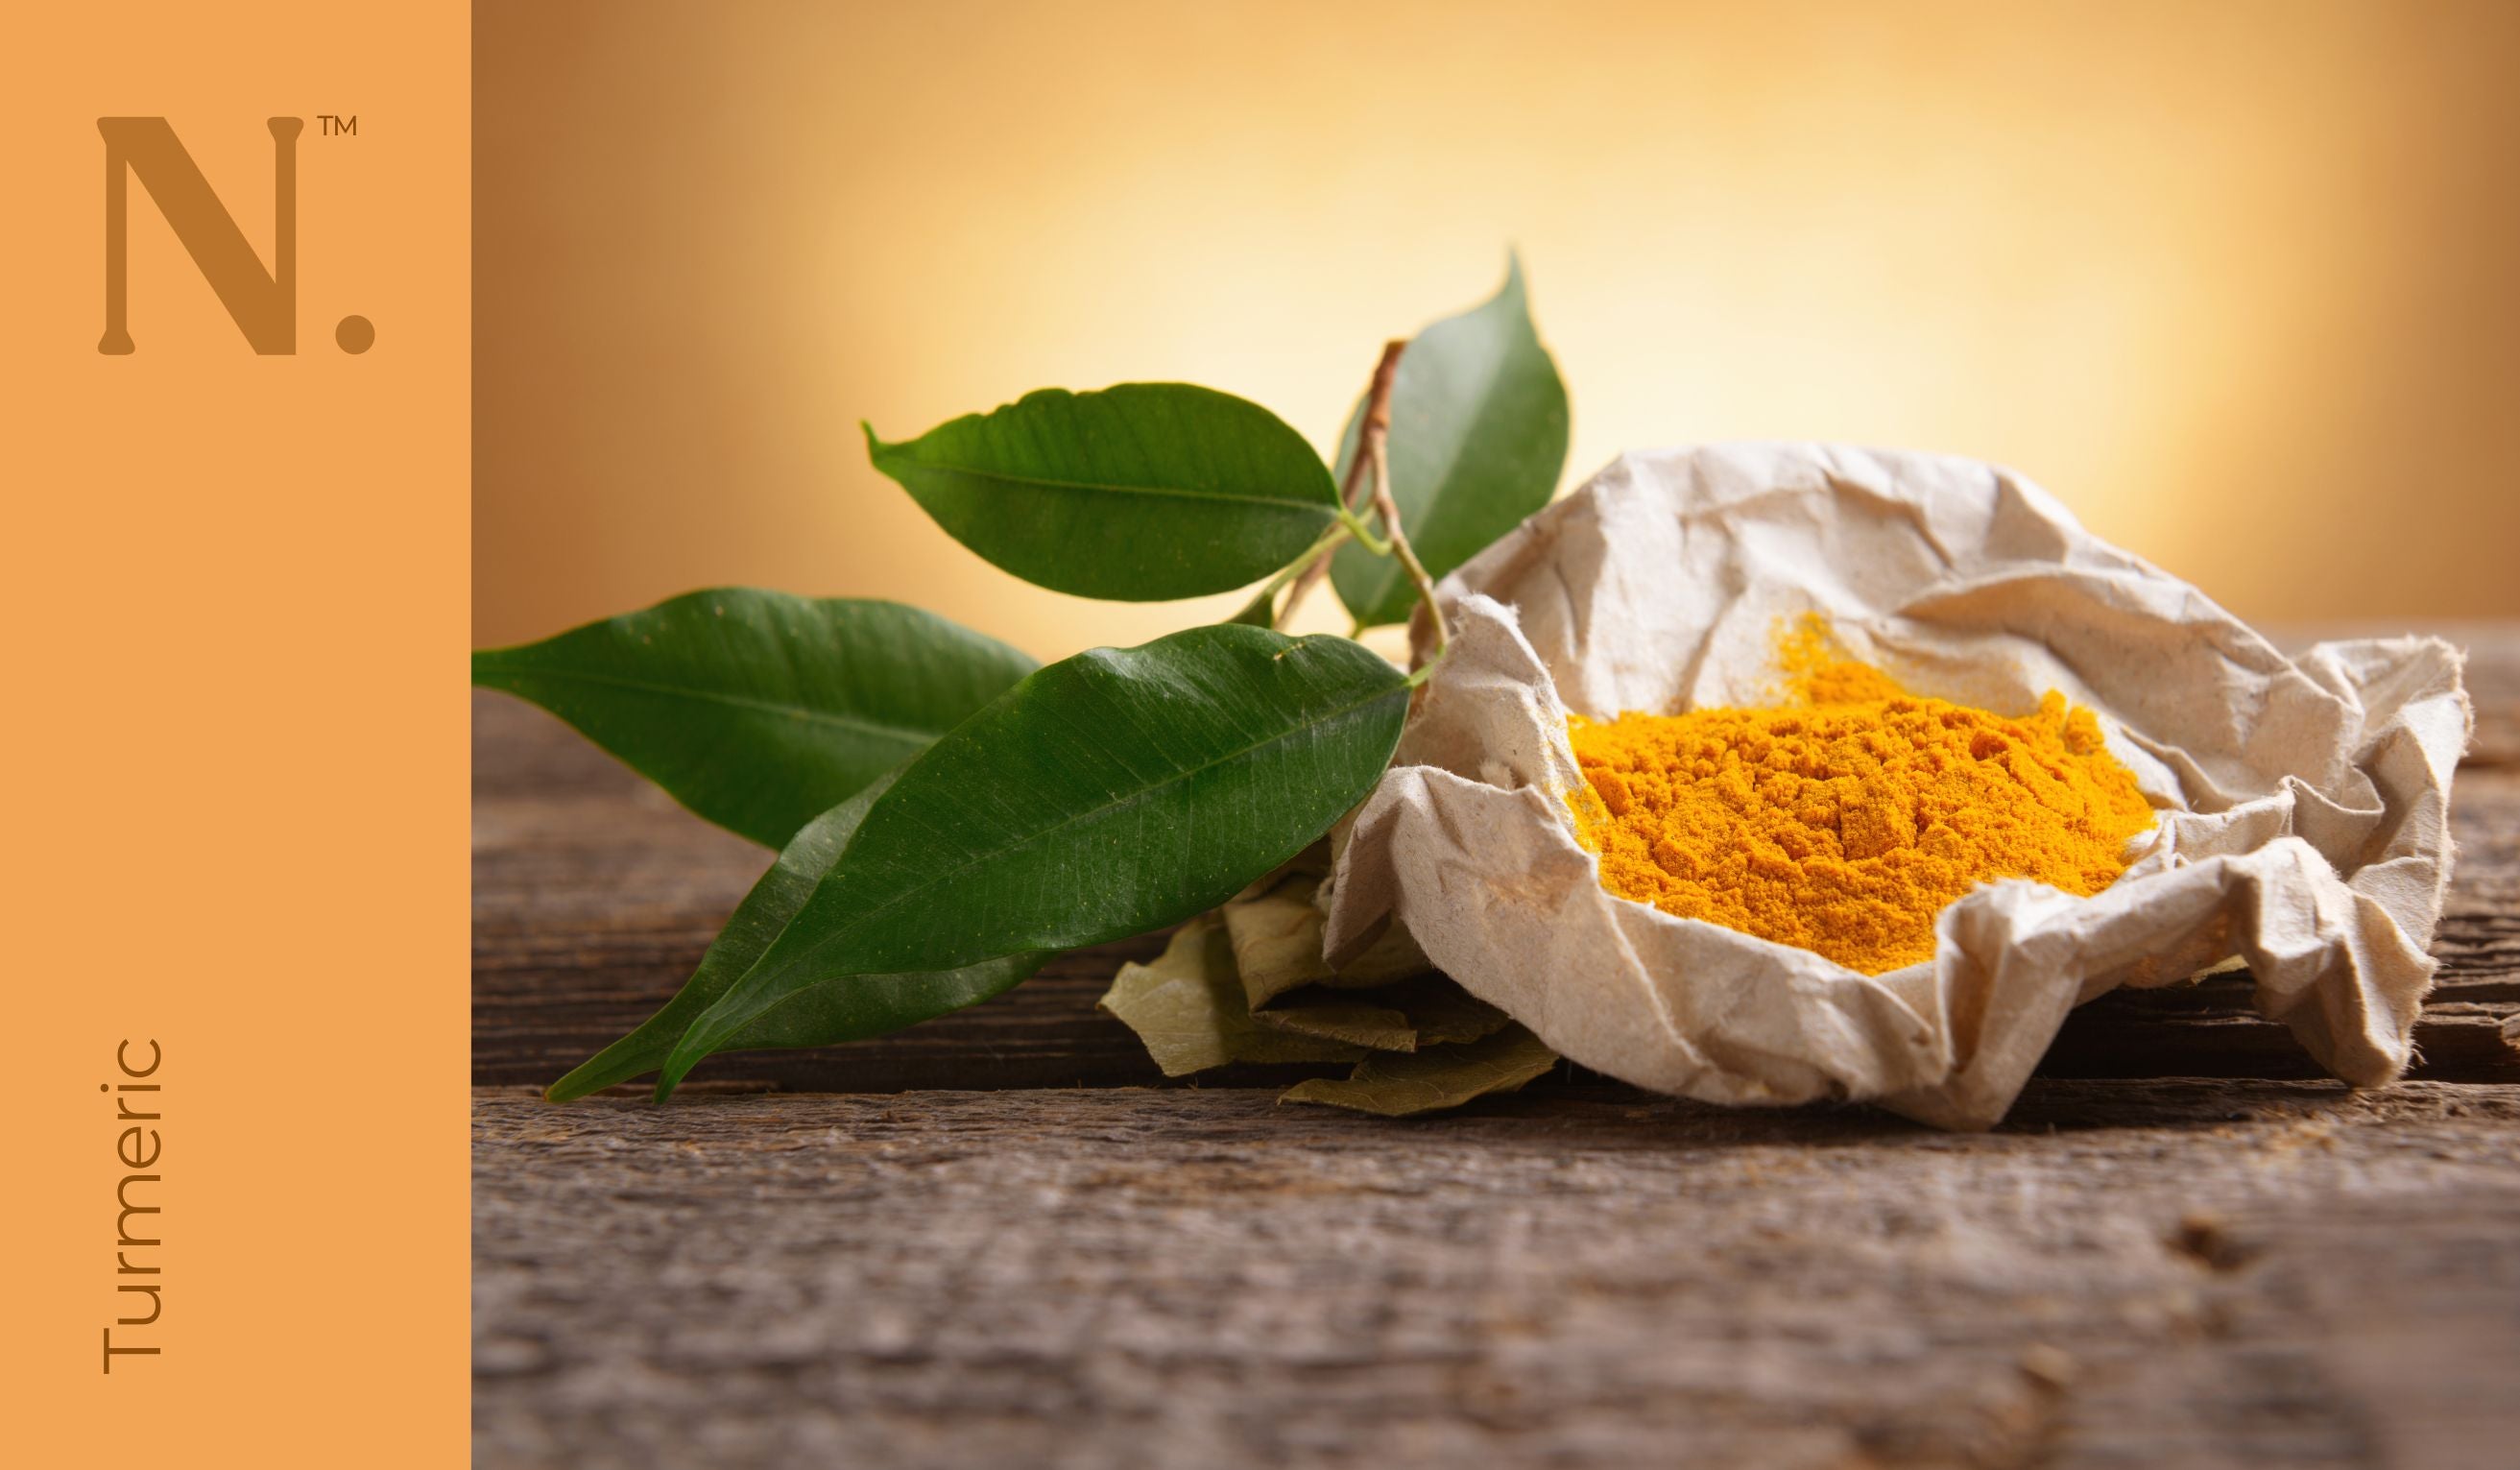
{"points": [[1478, 437], [1109, 794], [838, 1010], [758, 709], [1137, 493]]}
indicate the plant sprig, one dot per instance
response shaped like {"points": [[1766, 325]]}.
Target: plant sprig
{"points": [[1362, 490], [1378, 451], [952, 815]]}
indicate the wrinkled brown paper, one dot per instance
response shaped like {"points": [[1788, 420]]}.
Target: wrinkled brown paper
{"points": [[2304, 801]]}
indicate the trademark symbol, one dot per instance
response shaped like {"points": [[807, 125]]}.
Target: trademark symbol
{"points": [[355, 335]]}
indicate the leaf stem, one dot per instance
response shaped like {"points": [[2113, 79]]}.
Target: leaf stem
{"points": [[1376, 436], [1314, 555], [1354, 492], [1358, 528]]}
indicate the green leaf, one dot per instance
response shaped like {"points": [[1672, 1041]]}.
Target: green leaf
{"points": [[1138, 494], [758, 709], [1109, 794], [838, 1010], [1478, 438], [1401, 1085]]}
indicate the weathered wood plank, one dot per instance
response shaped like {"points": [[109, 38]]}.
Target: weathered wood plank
{"points": [[2133, 1271], [2128, 1273]]}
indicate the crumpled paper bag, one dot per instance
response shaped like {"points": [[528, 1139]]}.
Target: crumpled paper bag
{"points": [[2303, 802]]}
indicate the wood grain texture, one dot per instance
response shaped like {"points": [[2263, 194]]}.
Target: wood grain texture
{"points": [[2176, 1252], [594, 896], [2156, 1273]]}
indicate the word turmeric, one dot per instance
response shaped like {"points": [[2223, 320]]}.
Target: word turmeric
{"points": [[1846, 821]]}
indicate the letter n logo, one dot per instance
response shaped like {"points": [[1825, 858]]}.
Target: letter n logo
{"points": [[262, 303]]}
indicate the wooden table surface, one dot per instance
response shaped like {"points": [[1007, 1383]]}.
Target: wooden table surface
{"points": [[1001, 1239]]}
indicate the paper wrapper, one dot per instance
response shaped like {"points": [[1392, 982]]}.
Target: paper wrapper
{"points": [[2303, 802]]}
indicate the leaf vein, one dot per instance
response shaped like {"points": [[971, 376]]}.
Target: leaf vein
{"points": [[905, 734]]}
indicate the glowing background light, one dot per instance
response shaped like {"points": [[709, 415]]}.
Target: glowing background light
{"points": [[2235, 281]]}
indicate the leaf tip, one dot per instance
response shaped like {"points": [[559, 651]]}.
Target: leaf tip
{"points": [[577, 1082], [686, 1054]]}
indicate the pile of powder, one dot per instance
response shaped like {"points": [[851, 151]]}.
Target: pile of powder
{"points": [[1847, 822]]}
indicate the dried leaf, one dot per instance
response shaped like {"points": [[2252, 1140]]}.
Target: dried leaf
{"points": [[1193, 1009], [1276, 939], [1427, 1010], [1312, 862], [1339, 1019], [1276, 933], [1392, 956], [1402, 1085], [1440, 1011], [1187, 1007]]}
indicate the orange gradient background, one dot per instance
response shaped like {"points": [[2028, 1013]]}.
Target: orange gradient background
{"points": [[2236, 281], [235, 742]]}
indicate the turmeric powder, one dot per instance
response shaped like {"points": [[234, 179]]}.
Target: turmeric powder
{"points": [[1847, 820]]}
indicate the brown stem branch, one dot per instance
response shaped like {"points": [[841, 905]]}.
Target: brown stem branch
{"points": [[1353, 492], [1389, 510]]}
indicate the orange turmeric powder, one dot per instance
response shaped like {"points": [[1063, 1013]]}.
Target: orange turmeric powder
{"points": [[1847, 820]]}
